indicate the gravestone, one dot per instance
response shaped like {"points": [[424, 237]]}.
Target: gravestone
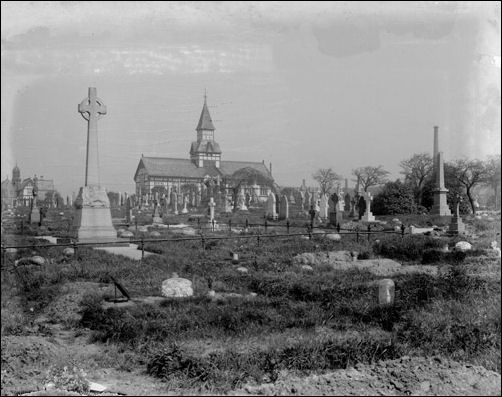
{"points": [[35, 211], [185, 203], [324, 206], [456, 225], [211, 206], [128, 211], [302, 200], [93, 219], [292, 198], [361, 206], [368, 216], [333, 208], [248, 199], [241, 201], [347, 203], [174, 202], [157, 220], [271, 207], [284, 208], [386, 292], [228, 204], [277, 203]]}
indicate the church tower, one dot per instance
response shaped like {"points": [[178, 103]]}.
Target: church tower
{"points": [[16, 178], [205, 151]]}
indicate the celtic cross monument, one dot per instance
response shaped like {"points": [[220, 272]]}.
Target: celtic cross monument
{"points": [[93, 220]]}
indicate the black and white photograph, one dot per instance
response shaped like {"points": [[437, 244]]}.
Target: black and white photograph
{"points": [[250, 198]]}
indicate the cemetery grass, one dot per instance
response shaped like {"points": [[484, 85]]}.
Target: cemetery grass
{"points": [[299, 321]]}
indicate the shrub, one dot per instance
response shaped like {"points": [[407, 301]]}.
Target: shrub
{"points": [[395, 198], [68, 379], [411, 247]]}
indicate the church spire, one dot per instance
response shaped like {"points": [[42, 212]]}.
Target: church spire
{"points": [[205, 121]]}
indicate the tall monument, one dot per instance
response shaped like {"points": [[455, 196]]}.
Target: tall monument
{"points": [[93, 220], [440, 206]]}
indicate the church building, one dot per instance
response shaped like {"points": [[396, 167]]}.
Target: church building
{"points": [[17, 192], [204, 165]]}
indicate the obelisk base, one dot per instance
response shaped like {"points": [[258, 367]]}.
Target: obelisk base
{"points": [[368, 217], [93, 219], [440, 206]]}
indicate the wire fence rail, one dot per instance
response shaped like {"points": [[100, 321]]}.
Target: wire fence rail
{"points": [[204, 238]]}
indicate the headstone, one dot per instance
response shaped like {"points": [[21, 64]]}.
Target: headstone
{"points": [[271, 207], [368, 216], [347, 204], [228, 204], [456, 225], [211, 206], [307, 199], [174, 202], [386, 292], [323, 207], [302, 200], [241, 201], [284, 208], [333, 208], [93, 219], [157, 219], [277, 203], [185, 203], [292, 198], [35, 211], [128, 211]]}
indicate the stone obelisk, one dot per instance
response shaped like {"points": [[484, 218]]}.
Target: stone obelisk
{"points": [[93, 220], [440, 206]]}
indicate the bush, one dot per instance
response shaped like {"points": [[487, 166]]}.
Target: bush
{"points": [[68, 379], [395, 198]]}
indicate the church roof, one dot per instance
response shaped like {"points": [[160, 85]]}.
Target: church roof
{"points": [[184, 168], [205, 121], [205, 147]]}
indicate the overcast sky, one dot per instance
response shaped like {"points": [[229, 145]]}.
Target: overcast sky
{"points": [[302, 85]]}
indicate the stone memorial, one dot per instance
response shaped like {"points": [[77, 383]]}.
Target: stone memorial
{"points": [[323, 212], [386, 292], [284, 208], [347, 203], [368, 216], [35, 211], [241, 201], [93, 219], [440, 206], [157, 219], [185, 203], [456, 225], [174, 202], [271, 212]]}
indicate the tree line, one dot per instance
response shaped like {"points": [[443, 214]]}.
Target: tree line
{"points": [[414, 192]]}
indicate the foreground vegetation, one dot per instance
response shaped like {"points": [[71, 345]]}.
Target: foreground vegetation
{"points": [[299, 320]]}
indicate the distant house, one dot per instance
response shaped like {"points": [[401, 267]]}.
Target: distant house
{"points": [[17, 192], [205, 163]]}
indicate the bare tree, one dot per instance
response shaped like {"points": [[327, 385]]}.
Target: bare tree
{"points": [[468, 173], [416, 170], [370, 176], [326, 178]]}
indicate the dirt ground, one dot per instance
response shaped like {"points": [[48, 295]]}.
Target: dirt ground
{"points": [[25, 360]]}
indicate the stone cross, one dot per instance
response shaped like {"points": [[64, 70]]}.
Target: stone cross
{"points": [[92, 108], [211, 206]]}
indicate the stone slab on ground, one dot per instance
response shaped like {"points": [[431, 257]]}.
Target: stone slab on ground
{"points": [[131, 251]]}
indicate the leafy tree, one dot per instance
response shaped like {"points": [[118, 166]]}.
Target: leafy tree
{"points": [[114, 198], [370, 176], [417, 170], [395, 198], [468, 174], [326, 178]]}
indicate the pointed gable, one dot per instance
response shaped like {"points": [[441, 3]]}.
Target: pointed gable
{"points": [[205, 121]]}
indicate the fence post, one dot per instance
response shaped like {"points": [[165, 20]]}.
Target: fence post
{"points": [[402, 230], [357, 233], [198, 223], [3, 254], [309, 229], [258, 237], [212, 225], [287, 225], [369, 231], [338, 227], [247, 223], [142, 247], [266, 225], [75, 248], [230, 226], [202, 241], [136, 222], [22, 226]]}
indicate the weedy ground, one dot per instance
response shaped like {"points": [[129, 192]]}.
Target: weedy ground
{"points": [[299, 320]]}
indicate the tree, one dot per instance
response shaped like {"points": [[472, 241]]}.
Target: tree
{"points": [[468, 174], [114, 198], [493, 177], [370, 176], [326, 178], [395, 198], [247, 176], [416, 170]]}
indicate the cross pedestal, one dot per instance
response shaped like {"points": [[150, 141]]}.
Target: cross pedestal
{"points": [[368, 215], [93, 219]]}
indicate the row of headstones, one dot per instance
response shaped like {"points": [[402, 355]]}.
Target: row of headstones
{"points": [[278, 206]]}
